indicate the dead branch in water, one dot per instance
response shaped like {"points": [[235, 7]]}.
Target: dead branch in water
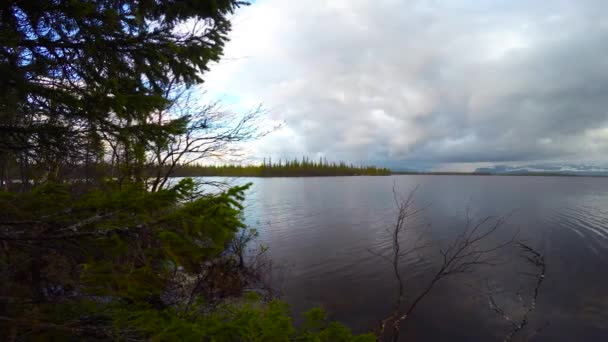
{"points": [[463, 255], [536, 260]]}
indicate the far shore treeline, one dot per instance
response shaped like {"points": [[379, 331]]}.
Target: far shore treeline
{"points": [[282, 168], [303, 167]]}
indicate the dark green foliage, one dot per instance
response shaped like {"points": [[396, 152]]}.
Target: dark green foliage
{"points": [[120, 263], [75, 72], [122, 243], [248, 320], [290, 168], [106, 257]]}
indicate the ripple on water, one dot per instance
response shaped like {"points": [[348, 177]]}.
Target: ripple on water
{"points": [[589, 224]]}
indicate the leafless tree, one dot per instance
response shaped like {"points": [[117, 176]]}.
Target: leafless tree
{"points": [[188, 130], [467, 251], [405, 213], [210, 132], [226, 277]]}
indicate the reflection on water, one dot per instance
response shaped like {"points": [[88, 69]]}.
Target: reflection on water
{"points": [[589, 223], [320, 230]]}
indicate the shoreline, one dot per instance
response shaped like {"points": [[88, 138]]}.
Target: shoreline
{"points": [[409, 174]]}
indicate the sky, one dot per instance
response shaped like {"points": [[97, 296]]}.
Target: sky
{"points": [[442, 85]]}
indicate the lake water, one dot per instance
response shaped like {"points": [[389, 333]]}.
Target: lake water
{"points": [[320, 232]]}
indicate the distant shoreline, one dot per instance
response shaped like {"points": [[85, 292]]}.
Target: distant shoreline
{"points": [[406, 173], [528, 174]]}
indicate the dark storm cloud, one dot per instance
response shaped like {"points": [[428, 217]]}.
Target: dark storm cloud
{"points": [[431, 81]]}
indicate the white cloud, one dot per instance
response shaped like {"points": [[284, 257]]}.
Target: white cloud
{"points": [[434, 81]]}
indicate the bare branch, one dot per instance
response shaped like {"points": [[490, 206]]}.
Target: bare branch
{"points": [[463, 255], [536, 260]]}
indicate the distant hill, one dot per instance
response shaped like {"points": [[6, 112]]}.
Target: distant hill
{"points": [[549, 169]]}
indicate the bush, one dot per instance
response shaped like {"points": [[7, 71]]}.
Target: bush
{"points": [[124, 263]]}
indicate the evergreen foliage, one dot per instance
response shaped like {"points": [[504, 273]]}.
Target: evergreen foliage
{"points": [[76, 72], [130, 264], [289, 168], [109, 257]]}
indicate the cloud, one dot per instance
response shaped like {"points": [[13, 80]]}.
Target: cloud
{"points": [[425, 81]]}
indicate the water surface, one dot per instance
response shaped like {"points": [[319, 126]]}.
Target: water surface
{"points": [[320, 232]]}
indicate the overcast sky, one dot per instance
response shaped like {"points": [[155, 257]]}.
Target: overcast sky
{"points": [[450, 84]]}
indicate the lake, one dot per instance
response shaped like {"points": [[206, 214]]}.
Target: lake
{"points": [[320, 232]]}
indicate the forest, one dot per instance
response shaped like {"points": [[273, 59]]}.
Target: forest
{"points": [[288, 168], [98, 106]]}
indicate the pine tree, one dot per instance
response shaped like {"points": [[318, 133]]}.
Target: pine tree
{"points": [[113, 260], [72, 71]]}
